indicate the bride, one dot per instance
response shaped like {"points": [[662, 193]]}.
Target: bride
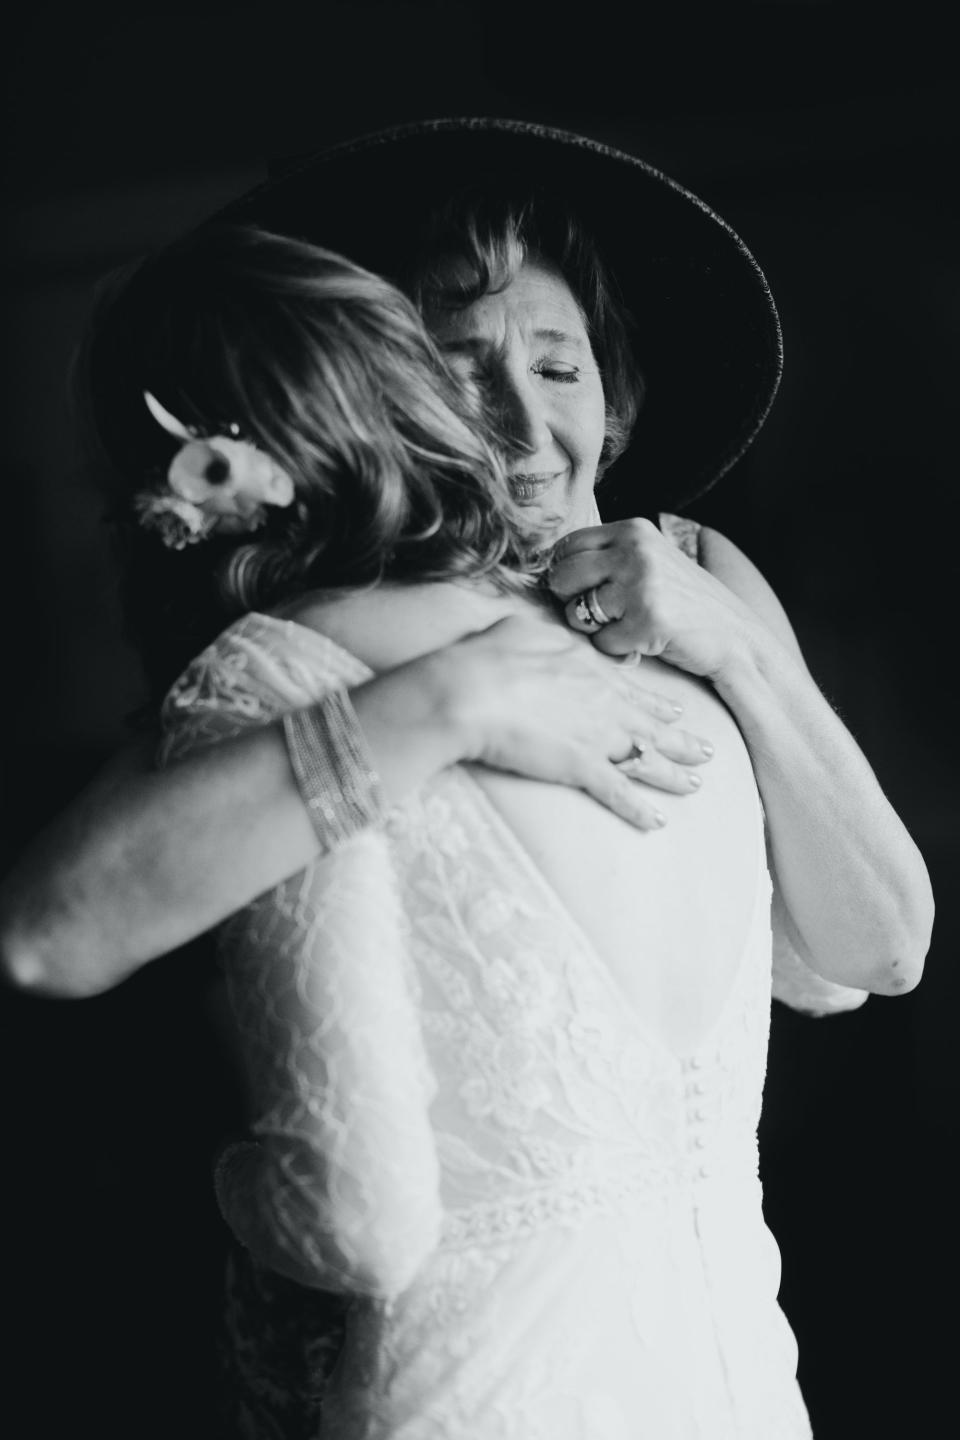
{"points": [[505, 1052]]}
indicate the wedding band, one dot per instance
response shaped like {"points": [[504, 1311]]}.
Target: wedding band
{"points": [[589, 611], [597, 612]]}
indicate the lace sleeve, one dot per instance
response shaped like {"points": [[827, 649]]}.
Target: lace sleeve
{"points": [[340, 1188]]}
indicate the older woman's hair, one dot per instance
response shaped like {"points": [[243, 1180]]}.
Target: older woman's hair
{"points": [[326, 368], [476, 242]]}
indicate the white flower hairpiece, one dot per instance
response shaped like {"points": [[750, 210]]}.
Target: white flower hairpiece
{"points": [[217, 483]]}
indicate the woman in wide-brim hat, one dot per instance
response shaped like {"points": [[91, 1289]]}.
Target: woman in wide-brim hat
{"points": [[537, 1312], [704, 326]]}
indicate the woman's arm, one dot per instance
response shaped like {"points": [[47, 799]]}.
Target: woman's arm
{"points": [[856, 894], [145, 860], [857, 901]]}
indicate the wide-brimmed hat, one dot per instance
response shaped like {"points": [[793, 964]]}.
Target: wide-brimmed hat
{"points": [[705, 330]]}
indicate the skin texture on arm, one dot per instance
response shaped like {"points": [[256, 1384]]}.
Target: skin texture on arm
{"points": [[855, 891], [856, 894]]}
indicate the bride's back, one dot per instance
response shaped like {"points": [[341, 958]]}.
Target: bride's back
{"points": [[668, 910]]}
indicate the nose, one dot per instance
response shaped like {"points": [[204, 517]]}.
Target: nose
{"points": [[523, 413]]}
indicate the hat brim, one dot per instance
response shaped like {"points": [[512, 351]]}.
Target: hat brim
{"points": [[706, 331]]}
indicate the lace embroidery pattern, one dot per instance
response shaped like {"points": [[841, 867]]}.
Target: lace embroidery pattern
{"points": [[461, 1127], [684, 532], [555, 1102]]}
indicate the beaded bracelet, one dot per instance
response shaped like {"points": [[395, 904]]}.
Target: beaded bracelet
{"points": [[333, 769]]}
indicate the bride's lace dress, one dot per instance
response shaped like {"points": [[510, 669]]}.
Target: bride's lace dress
{"points": [[548, 1223]]}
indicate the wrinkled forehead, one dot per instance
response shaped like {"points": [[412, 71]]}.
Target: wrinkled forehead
{"points": [[535, 301]]}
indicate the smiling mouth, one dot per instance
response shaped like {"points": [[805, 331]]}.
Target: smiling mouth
{"points": [[526, 487]]}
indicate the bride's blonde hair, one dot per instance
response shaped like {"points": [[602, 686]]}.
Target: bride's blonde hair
{"points": [[328, 369]]}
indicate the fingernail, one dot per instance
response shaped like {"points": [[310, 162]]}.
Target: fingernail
{"points": [[659, 817], [677, 709], [707, 748], [694, 782]]}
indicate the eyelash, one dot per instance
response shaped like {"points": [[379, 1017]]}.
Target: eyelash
{"points": [[563, 377], [483, 379]]}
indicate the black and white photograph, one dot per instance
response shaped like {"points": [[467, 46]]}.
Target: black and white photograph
{"points": [[480, 774]]}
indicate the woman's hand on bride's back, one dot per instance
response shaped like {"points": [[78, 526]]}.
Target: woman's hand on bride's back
{"points": [[534, 699]]}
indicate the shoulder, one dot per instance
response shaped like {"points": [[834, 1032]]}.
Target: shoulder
{"points": [[726, 562], [391, 624]]}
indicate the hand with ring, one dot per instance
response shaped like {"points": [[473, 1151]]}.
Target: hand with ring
{"points": [[588, 612], [540, 702], [634, 592]]}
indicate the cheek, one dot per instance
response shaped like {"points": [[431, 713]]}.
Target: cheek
{"points": [[590, 427]]}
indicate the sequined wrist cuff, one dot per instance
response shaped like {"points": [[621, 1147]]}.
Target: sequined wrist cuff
{"points": [[333, 769]]}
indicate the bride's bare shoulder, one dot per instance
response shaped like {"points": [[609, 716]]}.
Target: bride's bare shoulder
{"points": [[391, 624]]}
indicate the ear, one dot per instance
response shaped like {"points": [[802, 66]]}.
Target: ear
{"points": [[168, 422]]}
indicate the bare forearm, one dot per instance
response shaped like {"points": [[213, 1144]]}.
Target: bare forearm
{"points": [[148, 859], [853, 882], [145, 860]]}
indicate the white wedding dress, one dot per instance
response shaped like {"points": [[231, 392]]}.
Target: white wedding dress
{"points": [[547, 1222]]}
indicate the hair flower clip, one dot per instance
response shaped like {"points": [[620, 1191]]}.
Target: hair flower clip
{"points": [[217, 484]]}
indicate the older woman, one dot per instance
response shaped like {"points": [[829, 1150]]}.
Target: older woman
{"points": [[516, 311]]}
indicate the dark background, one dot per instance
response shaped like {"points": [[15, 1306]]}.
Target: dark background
{"points": [[828, 136]]}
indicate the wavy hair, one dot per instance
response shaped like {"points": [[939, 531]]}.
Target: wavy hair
{"points": [[329, 370]]}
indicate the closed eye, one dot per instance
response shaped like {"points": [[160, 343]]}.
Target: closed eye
{"points": [[563, 375]]}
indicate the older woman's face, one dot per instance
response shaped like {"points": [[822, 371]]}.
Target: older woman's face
{"points": [[526, 353]]}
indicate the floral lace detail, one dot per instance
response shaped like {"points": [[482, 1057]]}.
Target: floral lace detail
{"points": [[684, 532], [461, 1125], [320, 1200], [254, 672], [551, 1084]]}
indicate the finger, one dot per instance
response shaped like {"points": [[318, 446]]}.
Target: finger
{"points": [[591, 537], [574, 573], [650, 702], [581, 615], [654, 769], [621, 795], [626, 636], [578, 616], [683, 747]]}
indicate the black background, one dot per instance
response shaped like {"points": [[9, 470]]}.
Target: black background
{"points": [[828, 136]]}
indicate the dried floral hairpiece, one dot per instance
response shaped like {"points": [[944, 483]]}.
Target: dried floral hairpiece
{"points": [[214, 484]]}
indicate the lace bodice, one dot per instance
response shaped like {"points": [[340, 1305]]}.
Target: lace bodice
{"points": [[446, 1080]]}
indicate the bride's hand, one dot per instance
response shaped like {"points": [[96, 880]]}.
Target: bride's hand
{"points": [[539, 701]]}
